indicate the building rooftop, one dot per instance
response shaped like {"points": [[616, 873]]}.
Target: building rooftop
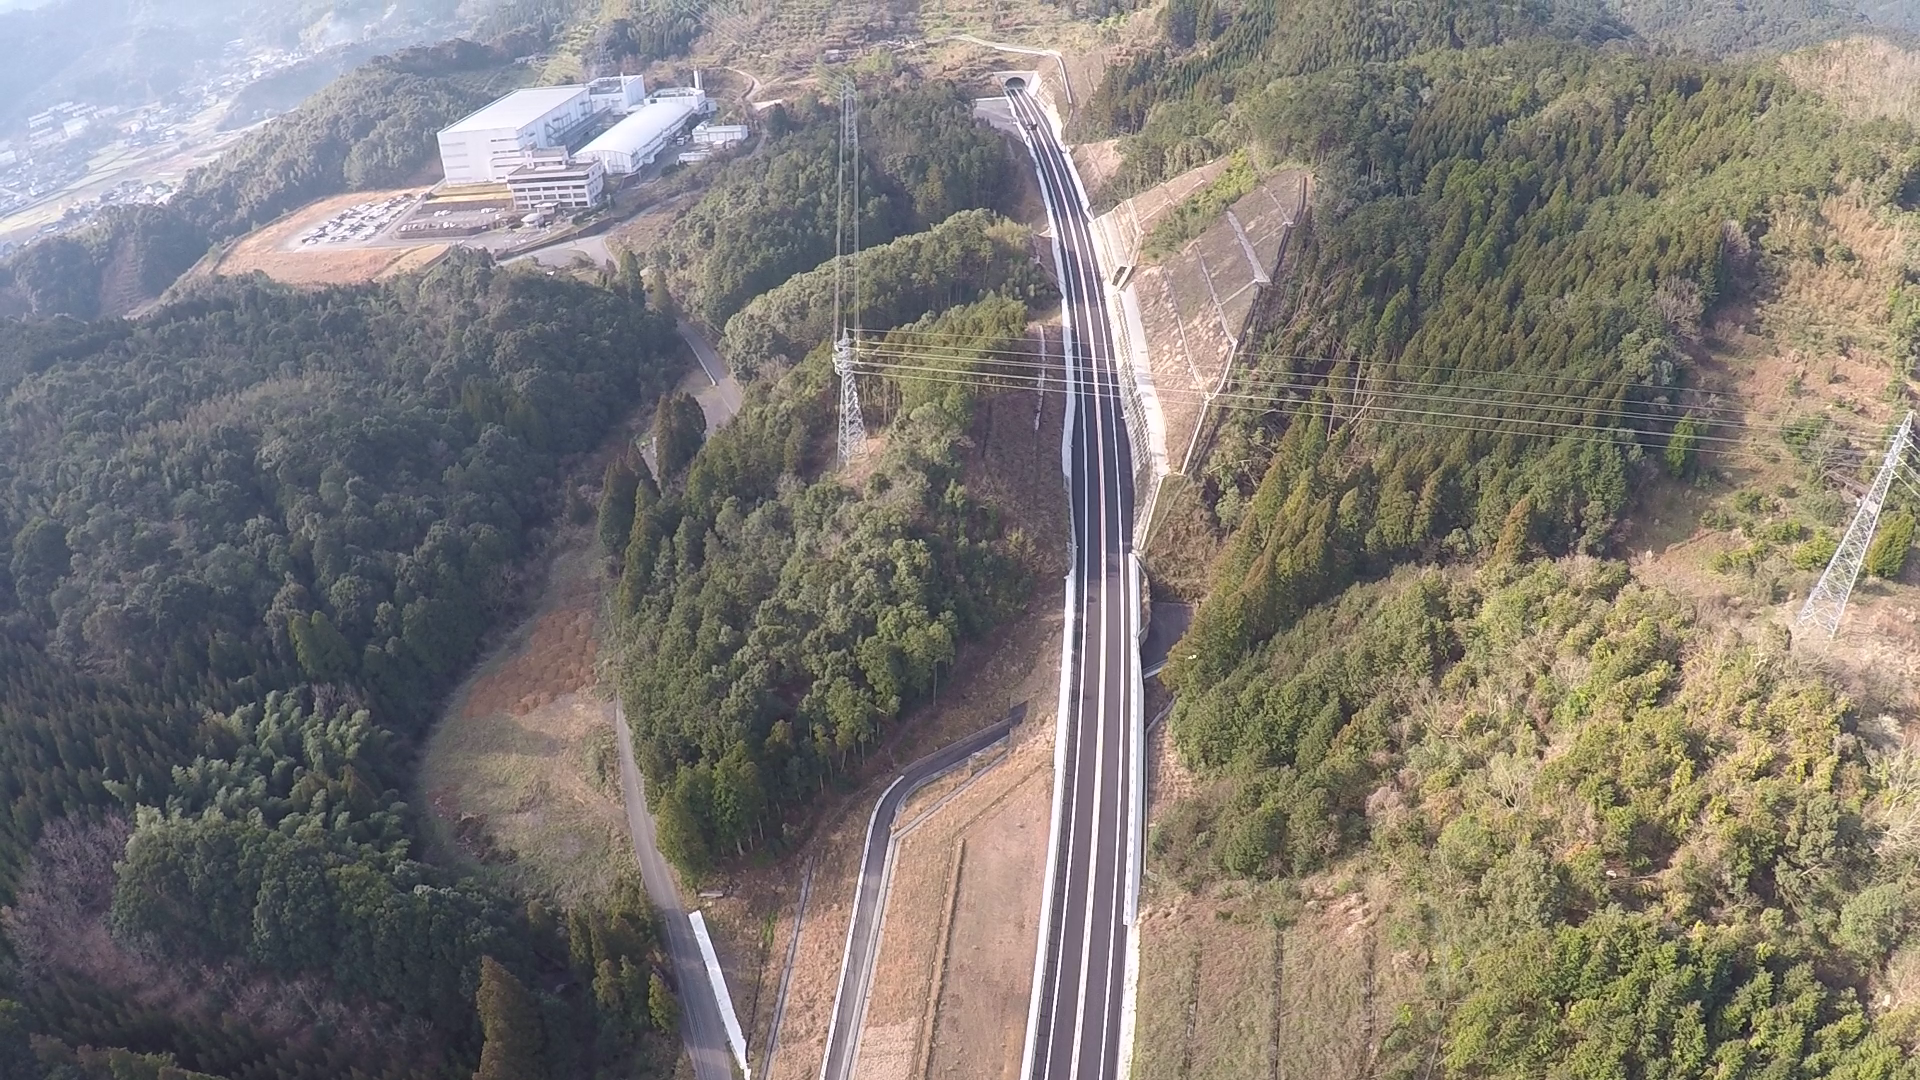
{"points": [[518, 109], [643, 126], [573, 171]]}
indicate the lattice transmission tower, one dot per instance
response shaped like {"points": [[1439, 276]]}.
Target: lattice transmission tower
{"points": [[846, 275], [1828, 600]]}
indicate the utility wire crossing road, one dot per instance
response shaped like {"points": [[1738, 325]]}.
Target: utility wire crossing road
{"points": [[1074, 1028]]}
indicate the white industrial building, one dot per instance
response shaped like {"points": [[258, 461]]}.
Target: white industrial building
{"points": [[486, 146], [720, 136], [552, 179], [617, 93], [633, 143]]}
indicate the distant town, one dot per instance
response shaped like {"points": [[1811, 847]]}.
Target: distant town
{"points": [[63, 145]]}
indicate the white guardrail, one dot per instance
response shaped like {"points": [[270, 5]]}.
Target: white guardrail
{"points": [[735, 1039]]}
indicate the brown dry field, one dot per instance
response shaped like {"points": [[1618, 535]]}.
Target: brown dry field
{"points": [[265, 250], [645, 230], [957, 937], [512, 756]]}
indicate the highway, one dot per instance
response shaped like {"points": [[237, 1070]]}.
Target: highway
{"points": [[863, 929], [1080, 979]]}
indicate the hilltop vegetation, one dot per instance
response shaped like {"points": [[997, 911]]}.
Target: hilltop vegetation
{"points": [[1723, 29], [923, 159], [777, 619], [250, 541], [965, 257]]}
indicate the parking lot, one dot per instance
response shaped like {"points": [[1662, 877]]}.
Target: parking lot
{"points": [[360, 222]]}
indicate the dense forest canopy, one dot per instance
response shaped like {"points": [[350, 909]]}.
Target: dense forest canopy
{"points": [[778, 619], [1521, 241], [248, 541], [923, 159], [971, 254]]}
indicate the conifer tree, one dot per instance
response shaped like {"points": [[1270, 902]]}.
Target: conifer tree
{"points": [[510, 1020]]}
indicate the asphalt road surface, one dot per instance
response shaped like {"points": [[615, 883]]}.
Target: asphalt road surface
{"points": [[863, 931], [1075, 1015], [700, 1025], [722, 399]]}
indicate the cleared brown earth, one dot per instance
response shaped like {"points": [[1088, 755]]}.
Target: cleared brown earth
{"points": [[515, 776], [983, 980], [273, 250]]}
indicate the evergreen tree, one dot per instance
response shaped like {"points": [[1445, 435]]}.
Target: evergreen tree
{"points": [[323, 652], [510, 1020], [662, 1006], [679, 427], [617, 506], [1887, 557], [16, 1054], [1682, 447]]}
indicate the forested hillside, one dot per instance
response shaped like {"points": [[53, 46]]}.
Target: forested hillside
{"points": [[1611, 838], [965, 257], [1721, 29], [779, 618], [249, 541], [373, 127], [923, 158], [1547, 247], [1603, 836]]}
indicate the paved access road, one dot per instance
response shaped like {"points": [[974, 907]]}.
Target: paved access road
{"points": [[700, 1025], [863, 930], [1074, 1026]]}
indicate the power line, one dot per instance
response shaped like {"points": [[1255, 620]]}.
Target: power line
{"points": [[1394, 417], [1014, 358], [1268, 401]]}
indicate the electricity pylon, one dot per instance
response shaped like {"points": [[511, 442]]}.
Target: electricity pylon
{"points": [[853, 429], [1828, 600]]}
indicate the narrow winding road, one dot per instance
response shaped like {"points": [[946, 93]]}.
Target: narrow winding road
{"points": [[700, 1025]]}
